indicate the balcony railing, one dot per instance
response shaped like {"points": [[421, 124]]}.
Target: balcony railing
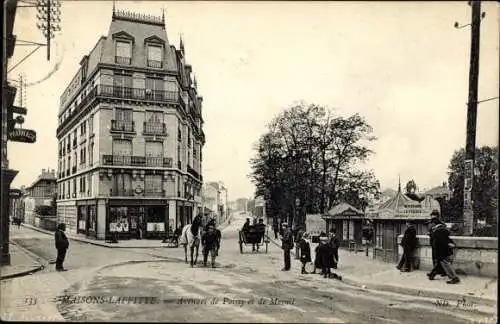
{"points": [[153, 128], [122, 126], [123, 60], [150, 161], [121, 192], [137, 93], [155, 64], [154, 192]]}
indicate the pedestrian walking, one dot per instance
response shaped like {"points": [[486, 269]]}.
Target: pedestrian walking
{"points": [[409, 244], [276, 229], [335, 244], [209, 241], [287, 246], [435, 263], [305, 252], [62, 245], [443, 245]]}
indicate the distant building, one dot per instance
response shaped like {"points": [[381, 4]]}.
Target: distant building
{"points": [[348, 221], [216, 198], [41, 192], [130, 135], [241, 204]]}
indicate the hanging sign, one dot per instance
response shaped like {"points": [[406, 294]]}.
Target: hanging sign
{"points": [[22, 135]]}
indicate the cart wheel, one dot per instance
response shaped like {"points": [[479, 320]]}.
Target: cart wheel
{"points": [[241, 248]]}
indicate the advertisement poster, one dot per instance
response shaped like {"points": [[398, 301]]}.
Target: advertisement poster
{"points": [[155, 227]]}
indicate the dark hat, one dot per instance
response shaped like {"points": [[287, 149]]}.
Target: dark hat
{"points": [[435, 212]]}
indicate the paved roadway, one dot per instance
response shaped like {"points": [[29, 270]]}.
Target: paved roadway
{"points": [[245, 287]]}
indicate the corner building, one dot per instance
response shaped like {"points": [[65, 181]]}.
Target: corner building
{"points": [[130, 135]]}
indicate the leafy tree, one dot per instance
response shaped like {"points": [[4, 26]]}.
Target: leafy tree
{"points": [[485, 184], [309, 155]]}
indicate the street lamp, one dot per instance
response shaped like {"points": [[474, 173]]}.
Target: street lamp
{"points": [[49, 17]]}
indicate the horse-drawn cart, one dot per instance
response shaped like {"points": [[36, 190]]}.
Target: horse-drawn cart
{"points": [[257, 238]]}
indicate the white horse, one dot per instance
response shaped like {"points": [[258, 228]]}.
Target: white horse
{"points": [[191, 236]]}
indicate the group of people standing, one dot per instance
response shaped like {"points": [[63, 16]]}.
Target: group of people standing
{"points": [[326, 253], [442, 249]]}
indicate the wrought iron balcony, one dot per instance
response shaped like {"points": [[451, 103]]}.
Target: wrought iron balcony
{"points": [[122, 126], [137, 93], [128, 160], [155, 64], [123, 60], [153, 128]]}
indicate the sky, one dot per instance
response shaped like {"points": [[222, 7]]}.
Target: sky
{"points": [[401, 65]]}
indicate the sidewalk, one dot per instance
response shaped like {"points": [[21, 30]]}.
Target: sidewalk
{"points": [[126, 244], [357, 270], [21, 263]]}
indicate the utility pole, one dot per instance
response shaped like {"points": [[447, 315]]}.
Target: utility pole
{"points": [[470, 145]]}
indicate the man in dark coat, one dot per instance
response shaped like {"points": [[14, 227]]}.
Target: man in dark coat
{"points": [[276, 229], [335, 244], [443, 246], [286, 245], [409, 244], [247, 225], [62, 245], [261, 230], [435, 263], [326, 258], [305, 251], [210, 243]]}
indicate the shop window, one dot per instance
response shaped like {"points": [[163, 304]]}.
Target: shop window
{"points": [[118, 220], [155, 219], [92, 219]]}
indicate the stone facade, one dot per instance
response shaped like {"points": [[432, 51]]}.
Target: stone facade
{"points": [[130, 135], [474, 256]]}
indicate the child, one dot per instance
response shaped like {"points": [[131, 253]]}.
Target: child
{"points": [[305, 252]]}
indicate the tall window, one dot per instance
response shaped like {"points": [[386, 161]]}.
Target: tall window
{"points": [[154, 154], [123, 52], [83, 157], [91, 124], [89, 181], [153, 183], [74, 186], [122, 86], [154, 88], [154, 117], [122, 147], [124, 114], [91, 154], [122, 185], [155, 53]]}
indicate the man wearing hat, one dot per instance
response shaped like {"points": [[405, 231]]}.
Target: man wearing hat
{"points": [[409, 244], [431, 224], [286, 245], [443, 246]]}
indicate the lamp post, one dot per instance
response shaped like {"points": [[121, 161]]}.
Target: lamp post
{"points": [[49, 12]]}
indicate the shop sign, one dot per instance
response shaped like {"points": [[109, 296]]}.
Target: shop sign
{"points": [[22, 135], [468, 174]]}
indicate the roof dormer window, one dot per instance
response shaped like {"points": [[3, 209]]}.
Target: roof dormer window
{"points": [[123, 54], [155, 56]]}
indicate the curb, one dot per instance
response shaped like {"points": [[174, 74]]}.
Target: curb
{"points": [[409, 291], [25, 272], [95, 243]]}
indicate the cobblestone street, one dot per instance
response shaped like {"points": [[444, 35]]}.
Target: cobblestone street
{"points": [[246, 287]]}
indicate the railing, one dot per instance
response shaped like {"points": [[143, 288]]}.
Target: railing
{"points": [[123, 60], [124, 93], [122, 126], [155, 64], [122, 192], [151, 161], [137, 93], [154, 128]]}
